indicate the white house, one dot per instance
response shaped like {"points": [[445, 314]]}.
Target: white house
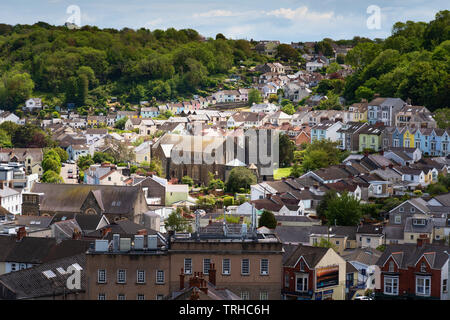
{"points": [[77, 150], [264, 107], [8, 116], [326, 130], [33, 104], [313, 66], [10, 199], [93, 135]]}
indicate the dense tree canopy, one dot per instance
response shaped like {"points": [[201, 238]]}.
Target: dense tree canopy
{"points": [[412, 63], [240, 178], [86, 65]]}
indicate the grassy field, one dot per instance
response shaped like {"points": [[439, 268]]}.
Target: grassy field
{"points": [[282, 172]]}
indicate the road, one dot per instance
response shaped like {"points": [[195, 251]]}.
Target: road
{"points": [[65, 173]]}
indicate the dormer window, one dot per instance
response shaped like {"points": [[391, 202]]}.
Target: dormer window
{"points": [[419, 222]]}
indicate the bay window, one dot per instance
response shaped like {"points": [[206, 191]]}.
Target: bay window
{"points": [[391, 285], [423, 286], [301, 283]]}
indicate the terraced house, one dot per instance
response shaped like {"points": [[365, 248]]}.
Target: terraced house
{"points": [[370, 138], [419, 271]]}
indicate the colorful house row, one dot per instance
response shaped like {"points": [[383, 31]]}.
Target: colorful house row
{"points": [[431, 141]]}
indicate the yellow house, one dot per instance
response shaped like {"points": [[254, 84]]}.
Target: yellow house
{"points": [[359, 112], [408, 139]]}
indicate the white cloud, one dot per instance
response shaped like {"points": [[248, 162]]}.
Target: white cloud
{"points": [[215, 13], [300, 13]]}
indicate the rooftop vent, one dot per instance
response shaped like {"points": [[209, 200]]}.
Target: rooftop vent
{"points": [[125, 244], [152, 242], [101, 245], [139, 242]]}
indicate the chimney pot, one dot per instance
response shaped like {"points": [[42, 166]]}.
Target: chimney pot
{"points": [[212, 274], [21, 233]]}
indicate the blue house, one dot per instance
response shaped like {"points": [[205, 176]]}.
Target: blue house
{"points": [[397, 137], [149, 112]]}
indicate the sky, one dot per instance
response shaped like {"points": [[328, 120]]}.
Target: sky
{"points": [[284, 20]]}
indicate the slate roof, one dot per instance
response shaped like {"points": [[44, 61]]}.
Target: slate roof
{"points": [[88, 221], [407, 255], [370, 229], [32, 283], [70, 197], [7, 244], [410, 227], [444, 199], [30, 250], [67, 248], [312, 255], [394, 232], [367, 256], [33, 221]]}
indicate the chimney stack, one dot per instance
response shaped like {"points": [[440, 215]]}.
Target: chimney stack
{"points": [[142, 232], [212, 274], [105, 231], [76, 235], [21, 233], [182, 279]]}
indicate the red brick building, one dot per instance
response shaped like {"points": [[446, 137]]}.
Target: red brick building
{"points": [[412, 271], [313, 273]]}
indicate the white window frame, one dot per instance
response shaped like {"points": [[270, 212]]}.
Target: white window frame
{"points": [[226, 266], [119, 277], [391, 280], [245, 295], [248, 267], [121, 297], [159, 277], [140, 297], [263, 295], [206, 265], [264, 268], [99, 277], [140, 276], [398, 219], [424, 279], [304, 280], [188, 270], [101, 296]]}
